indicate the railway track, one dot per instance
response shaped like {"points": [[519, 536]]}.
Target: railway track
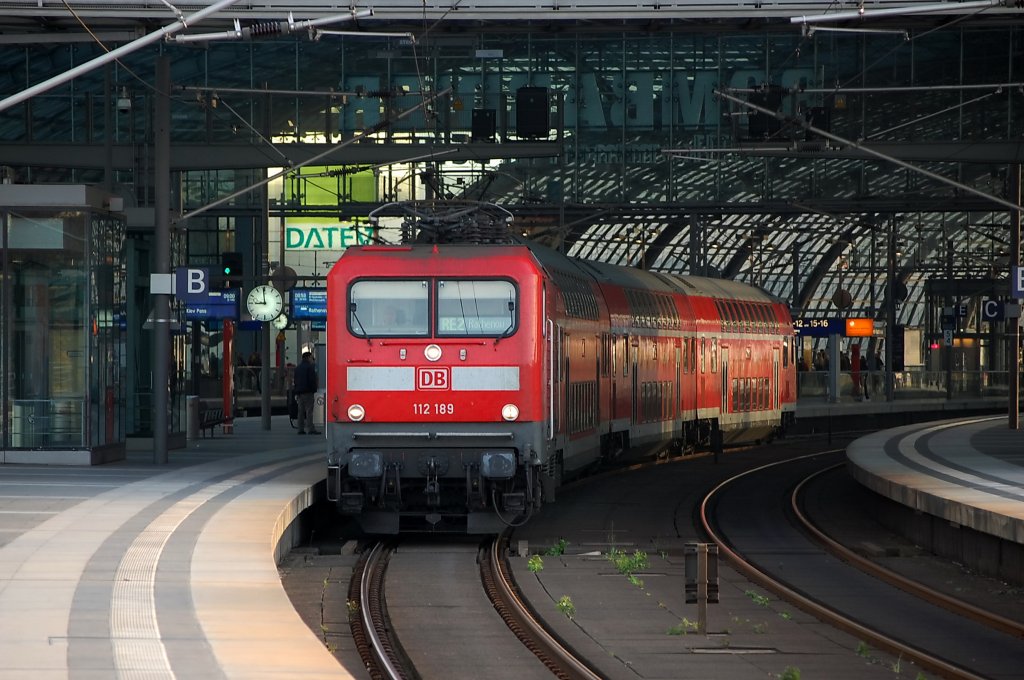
{"points": [[439, 631], [953, 604], [767, 536], [378, 643]]}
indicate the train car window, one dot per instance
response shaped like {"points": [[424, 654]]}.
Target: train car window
{"points": [[714, 355], [785, 352], [703, 358], [389, 308], [476, 307], [670, 317]]}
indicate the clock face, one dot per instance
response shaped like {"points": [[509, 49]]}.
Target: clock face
{"points": [[281, 322], [264, 303]]}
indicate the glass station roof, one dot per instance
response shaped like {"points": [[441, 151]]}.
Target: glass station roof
{"points": [[662, 162]]}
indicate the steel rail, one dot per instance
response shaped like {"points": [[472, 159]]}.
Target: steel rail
{"points": [[815, 608], [372, 615], [953, 604], [501, 590]]}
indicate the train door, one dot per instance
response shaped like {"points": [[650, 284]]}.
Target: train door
{"points": [[774, 393], [569, 411], [690, 376], [614, 378], [677, 388], [561, 368], [635, 391], [725, 379], [553, 359]]}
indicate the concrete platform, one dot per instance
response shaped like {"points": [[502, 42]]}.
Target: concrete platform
{"points": [[160, 571], [961, 483], [133, 569]]}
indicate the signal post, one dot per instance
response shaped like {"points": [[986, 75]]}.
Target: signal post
{"points": [[700, 569]]}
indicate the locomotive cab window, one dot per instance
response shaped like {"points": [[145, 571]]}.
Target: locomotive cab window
{"points": [[465, 307], [382, 308]]}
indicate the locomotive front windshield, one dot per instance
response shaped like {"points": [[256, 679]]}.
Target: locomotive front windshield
{"points": [[383, 307], [473, 307], [464, 308]]}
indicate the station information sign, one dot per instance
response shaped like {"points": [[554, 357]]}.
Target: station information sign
{"points": [[858, 327], [218, 304], [309, 304], [850, 327], [818, 328]]}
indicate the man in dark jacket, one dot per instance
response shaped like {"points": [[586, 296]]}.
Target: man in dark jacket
{"points": [[306, 385]]}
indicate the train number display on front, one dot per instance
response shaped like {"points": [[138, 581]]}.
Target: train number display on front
{"points": [[436, 409]]}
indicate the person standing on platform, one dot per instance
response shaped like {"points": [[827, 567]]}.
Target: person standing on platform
{"points": [[255, 365], [306, 385]]}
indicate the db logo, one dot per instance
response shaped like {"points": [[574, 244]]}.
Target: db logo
{"points": [[433, 378]]}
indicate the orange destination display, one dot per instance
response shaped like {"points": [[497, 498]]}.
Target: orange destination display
{"points": [[860, 328]]}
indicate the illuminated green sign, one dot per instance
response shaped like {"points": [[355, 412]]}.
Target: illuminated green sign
{"points": [[320, 187], [304, 234]]}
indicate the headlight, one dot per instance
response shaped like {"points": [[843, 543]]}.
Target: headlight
{"points": [[356, 412], [432, 352], [510, 412]]}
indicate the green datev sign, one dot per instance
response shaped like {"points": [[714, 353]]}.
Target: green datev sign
{"points": [[319, 187], [302, 235]]}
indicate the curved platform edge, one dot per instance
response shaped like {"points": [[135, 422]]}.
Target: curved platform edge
{"points": [[943, 510], [248, 620]]}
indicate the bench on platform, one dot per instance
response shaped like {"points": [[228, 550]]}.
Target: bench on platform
{"points": [[209, 419]]}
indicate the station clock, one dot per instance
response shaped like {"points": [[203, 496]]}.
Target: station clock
{"points": [[264, 303]]}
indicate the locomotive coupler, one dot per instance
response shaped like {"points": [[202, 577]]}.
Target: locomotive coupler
{"points": [[474, 487], [391, 488], [433, 487]]}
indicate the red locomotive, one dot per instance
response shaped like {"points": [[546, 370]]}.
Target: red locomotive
{"points": [[465, 382]]}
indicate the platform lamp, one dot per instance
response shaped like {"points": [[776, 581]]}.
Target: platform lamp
{"points": [[124, 101]]}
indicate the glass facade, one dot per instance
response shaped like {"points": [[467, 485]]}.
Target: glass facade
{"points": [[662, 163], [62, 340]]}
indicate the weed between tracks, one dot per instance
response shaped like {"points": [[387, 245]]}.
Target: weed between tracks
{"points": [[628, 564]]}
